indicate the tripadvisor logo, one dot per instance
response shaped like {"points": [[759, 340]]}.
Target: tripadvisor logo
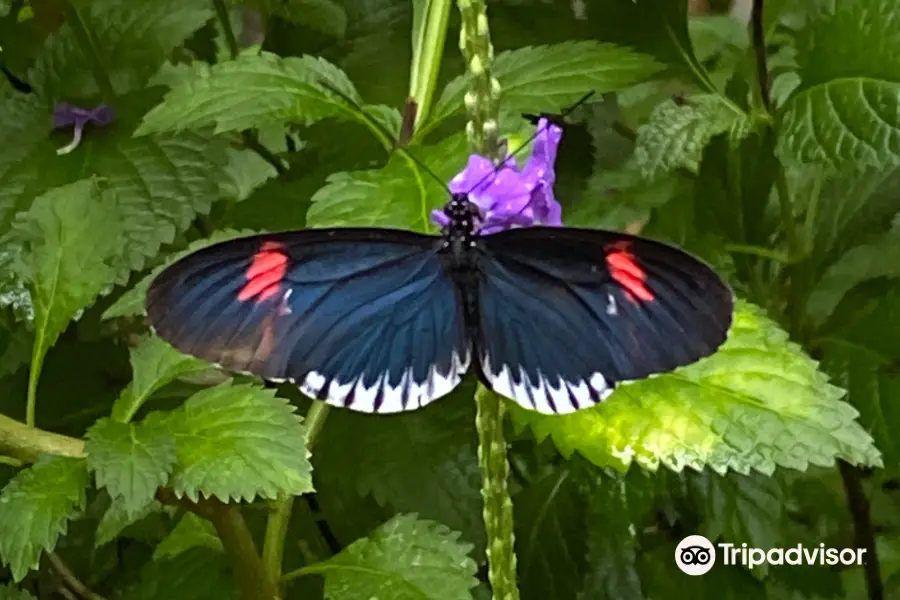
{"points": [[696, 555]]}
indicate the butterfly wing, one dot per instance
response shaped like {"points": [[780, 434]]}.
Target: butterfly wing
{"points": [[361, 318], [566, 313]]}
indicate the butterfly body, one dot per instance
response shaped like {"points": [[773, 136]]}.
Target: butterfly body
{"points": [[385, 320]]}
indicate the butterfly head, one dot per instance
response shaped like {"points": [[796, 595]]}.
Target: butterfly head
{"points": [[463, 221]]}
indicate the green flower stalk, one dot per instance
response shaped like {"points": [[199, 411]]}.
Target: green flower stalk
{"points": [[483, 98], [483, 105]]}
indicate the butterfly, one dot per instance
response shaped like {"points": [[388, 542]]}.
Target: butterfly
{"points": [[387, 320]]}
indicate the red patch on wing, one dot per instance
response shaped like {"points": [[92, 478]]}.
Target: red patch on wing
{"points": [[265, 273], [626, 272]]}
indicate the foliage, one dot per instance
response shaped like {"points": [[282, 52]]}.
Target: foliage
{"points": [[141, 473]]}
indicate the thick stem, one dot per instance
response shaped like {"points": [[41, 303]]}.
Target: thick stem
{"points": [[86, 41], [498, 507], [757, 27], [25, 443], [863, 533], [430, 33], [225, 21], [280, 517]]}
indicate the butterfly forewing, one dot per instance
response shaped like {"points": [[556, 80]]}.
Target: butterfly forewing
{"points": [[362, 318], [565, 314]]}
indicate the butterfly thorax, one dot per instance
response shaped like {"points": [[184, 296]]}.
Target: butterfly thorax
{"points": [[460, 232]]}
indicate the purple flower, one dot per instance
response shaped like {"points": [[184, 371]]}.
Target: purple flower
{"points": [[68, 115], [508, 197]]}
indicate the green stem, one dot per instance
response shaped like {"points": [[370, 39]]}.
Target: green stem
{"points": [[483, 98], [430, 31], [787, 212], [25, 443], [85, 40], [498, 507], [280, 517], [225, 21]]}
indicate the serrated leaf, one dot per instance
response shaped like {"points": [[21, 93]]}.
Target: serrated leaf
{"points": [[844, 114], [550, 537], [675, 134], [118, 517], [440, 481], [130, 461], [154, 364], [238, 442], [550, 78], [196, 574], [191, 532], [398, 195], [70, 237], [35, 507], [161, 183], [757, 403], [404, 559], [131, 40], [11, 592], [879, 258], [743, 509], [131, 303], [254, 90]]}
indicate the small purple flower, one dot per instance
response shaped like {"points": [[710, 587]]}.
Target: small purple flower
{"points": [[507, 197], [68, 115]]}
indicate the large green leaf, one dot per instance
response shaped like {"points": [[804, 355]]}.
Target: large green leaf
{"points": [[404, 559], [439, 481], [196, 574], [154, 363], [238, 442], [130, 40], [35, 508], [757, 403], [398, 195], [69, 238], [676, 133], [550, 78], [846, 112], [255, 90], [130, 461]]}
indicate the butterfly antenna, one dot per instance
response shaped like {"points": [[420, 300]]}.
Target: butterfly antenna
{"points": [[524, 144], [381, 128]]}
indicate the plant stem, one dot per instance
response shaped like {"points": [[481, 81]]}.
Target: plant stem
{"points": [[759, 48], [483, 98], [71, 579], [280, 517], [225, 21], [430, 33], [498, 507], [25, 443], [863, 533], [85, 40]]}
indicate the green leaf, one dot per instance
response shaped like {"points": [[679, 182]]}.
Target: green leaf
{"points": [[550, 537], [132, 41], [399, 195], [845, 112], [238, 442], [11, 592], [35, 507], [440, 481], [255, 90], [70, 237], [743, 509], [550, 78], [675, 134], [131, 303], [118, 517], [880, 258], [130, 461], [191, 532], [196, 574], [404, 559], [757, 403], [154, 363]]}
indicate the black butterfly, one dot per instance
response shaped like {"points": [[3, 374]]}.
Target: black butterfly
{"points": [[386, 320]]}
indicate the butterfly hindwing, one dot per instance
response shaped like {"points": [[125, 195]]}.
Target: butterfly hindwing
{"points": [[566, 313], [362, 318]]}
